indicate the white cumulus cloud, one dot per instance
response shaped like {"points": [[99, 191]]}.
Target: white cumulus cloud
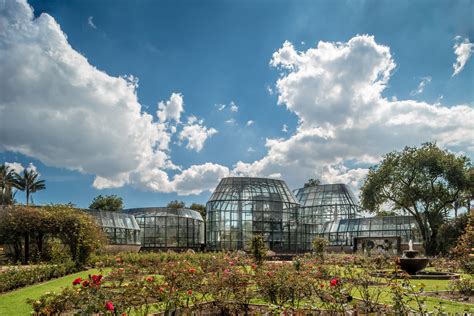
{"points": [[233, 107], [463, 50], [78, 117], [171, 109], [195, 134], [345, 124]]}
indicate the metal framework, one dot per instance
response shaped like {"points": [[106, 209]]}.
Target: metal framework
{"points": [[165, 228], [241, 207], [320, 204], [121, 229], [341, 232]]}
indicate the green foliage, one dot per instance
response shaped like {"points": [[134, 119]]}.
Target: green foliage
{"points": [[258, 249], [449, 233], [76, 230], [7, 184], [200, 208], [464, 250], [28, 181], [176, 204], [107, 203], [312, 183], [319, 245], [16, 277], [464, 286], [424, 182]]}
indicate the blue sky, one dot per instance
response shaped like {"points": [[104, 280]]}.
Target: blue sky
{"points": [[215, 53]]}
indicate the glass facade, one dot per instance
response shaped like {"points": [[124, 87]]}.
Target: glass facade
{"points": [[167, 228], [241, 207], [121, 229], [341, 232], [320, 204]]}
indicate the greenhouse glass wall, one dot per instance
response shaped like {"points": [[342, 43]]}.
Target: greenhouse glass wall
{"points": [[241, 207], [165, 228], [342, 232], [121, 229]]}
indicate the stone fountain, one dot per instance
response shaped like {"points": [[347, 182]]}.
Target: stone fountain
{"points": [[410, 262]]}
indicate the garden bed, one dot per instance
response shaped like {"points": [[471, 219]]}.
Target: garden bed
{"points": [[451, 296]]}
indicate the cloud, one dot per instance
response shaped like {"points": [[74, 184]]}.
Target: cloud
{"points": [[78, 117], [196, 134], [230, 121], [233, 107], [345, 124], [463, 50], [15, 166], [250, 150], [421, 86], [171, 109], [250, 122], [284, 128], [90, 21], [220, 107]]}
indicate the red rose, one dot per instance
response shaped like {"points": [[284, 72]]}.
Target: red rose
{"points": [[109, 305], [334, 282], [85, 283], [231, 263], [190, 292], [96, 279], [149, 279], [192, 270], [321, 285], [77, 281], [269, 273]]}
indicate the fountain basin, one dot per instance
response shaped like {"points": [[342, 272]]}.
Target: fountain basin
{"points": [[410, 253], [413, 265]]}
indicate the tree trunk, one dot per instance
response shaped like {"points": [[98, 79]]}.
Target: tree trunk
{"points": [[27, 196], [39, 243], [27, 248]]}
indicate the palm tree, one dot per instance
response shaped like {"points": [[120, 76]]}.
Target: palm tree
{"points": [[28, 182], [7, 183]]}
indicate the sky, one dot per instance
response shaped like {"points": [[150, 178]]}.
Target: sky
{"points": [[158, 100]]}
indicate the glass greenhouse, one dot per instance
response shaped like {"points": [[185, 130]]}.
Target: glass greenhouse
{"points": [[342, 232], [121, 229], [323, 203], [241, 207], [165, 228]]}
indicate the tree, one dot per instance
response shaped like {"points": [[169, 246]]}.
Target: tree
{"points": [[423, 182], [28, 181], [449, 233], [199, 208], [176, 204], [312, 183], [7, 184], [109, 203]]}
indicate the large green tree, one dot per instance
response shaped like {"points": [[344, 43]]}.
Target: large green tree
{"points": [[424, 182], [107, 203], [176, 204], [28, 181]]}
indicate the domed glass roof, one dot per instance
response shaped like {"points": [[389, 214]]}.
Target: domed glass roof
{"points": [[256, 189], [326, 194]]}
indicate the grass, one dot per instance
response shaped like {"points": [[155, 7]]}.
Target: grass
{"points": [[14, 302]]}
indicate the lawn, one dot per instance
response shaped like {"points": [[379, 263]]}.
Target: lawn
{"points": [[14, 303]]}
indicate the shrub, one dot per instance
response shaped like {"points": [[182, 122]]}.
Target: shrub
{"points": [[258, 249], [16, 277], [319, 246], [464, 286]]}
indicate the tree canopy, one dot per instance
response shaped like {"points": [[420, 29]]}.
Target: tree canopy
{"points": [[176, 204], [425, 182], [312, 182], [199, 208], [107, 203]]}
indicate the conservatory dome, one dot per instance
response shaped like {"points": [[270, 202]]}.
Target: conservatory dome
{"points": [[241, 207]]}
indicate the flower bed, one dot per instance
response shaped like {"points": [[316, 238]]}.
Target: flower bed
{"points": [[228, 284]]}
